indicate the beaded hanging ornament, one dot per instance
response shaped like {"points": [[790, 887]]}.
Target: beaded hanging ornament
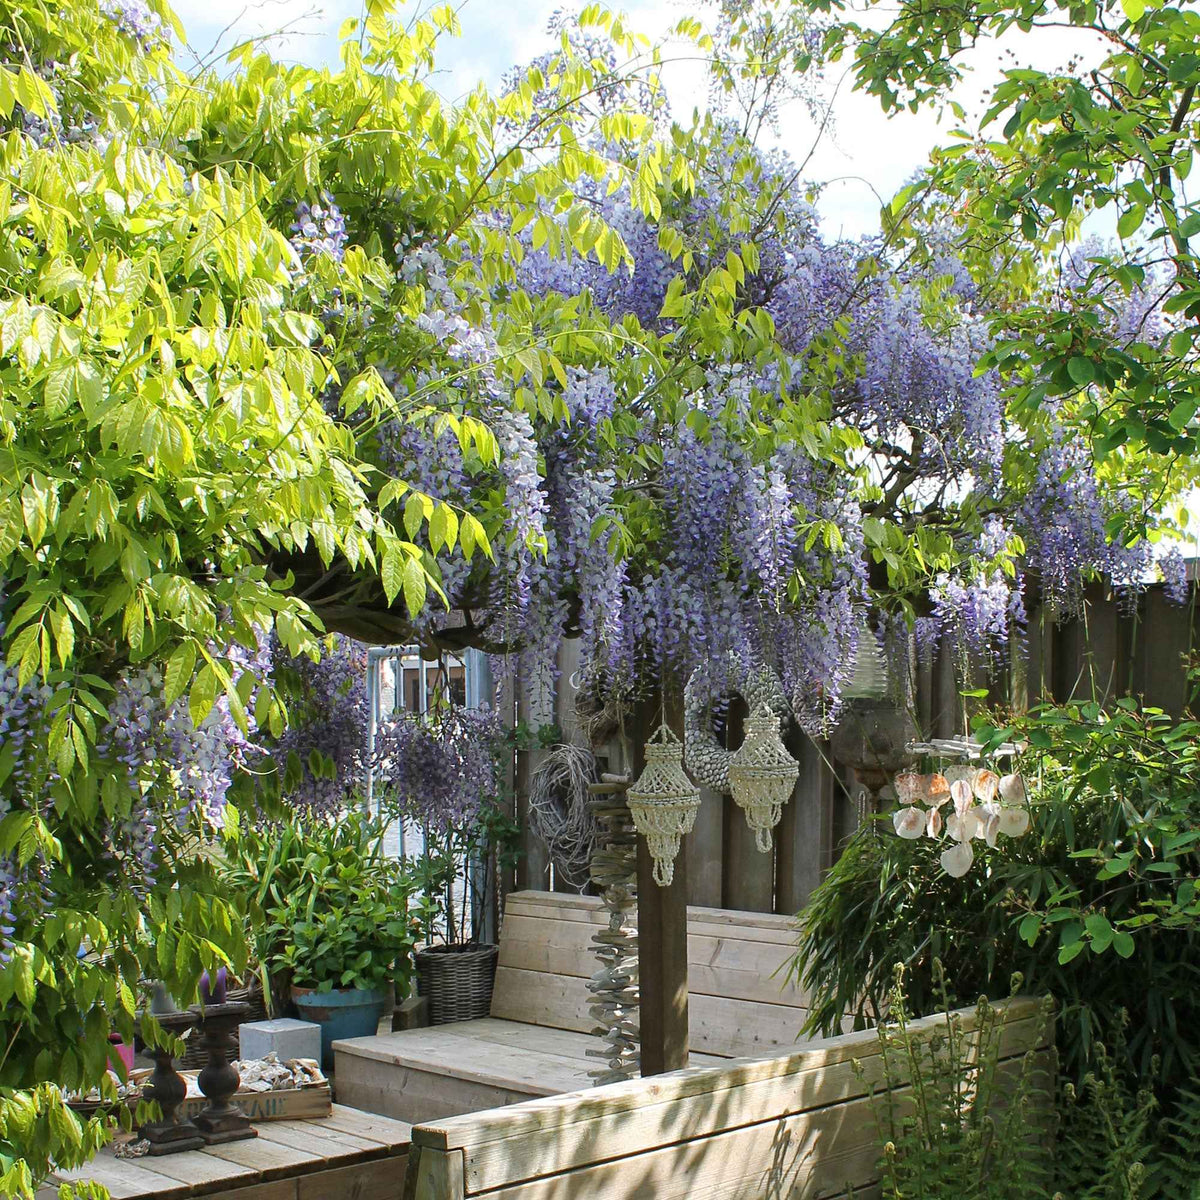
{"points": [[762, 775], [663, 802]]}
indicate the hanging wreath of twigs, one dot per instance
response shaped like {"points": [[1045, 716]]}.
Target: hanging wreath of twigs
{"points": [[559, 812], [598, 716]]}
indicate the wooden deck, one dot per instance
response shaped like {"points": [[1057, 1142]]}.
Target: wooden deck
{"points": [[350, 1153]]}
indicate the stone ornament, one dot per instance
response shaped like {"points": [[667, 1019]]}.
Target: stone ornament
{"points": [[707, 759], [171, 1134], [222, 1119], [762, 775], [664, 802]]}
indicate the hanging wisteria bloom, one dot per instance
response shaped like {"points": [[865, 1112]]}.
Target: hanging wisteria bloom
{"points": [[321, 758], [439, 768], [320, 229], [135, 19]]}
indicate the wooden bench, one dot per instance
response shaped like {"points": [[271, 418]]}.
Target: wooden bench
{"points": [[795, 1126], [535, 1043]]}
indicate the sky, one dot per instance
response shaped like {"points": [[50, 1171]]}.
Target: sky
{"points": [[864, 157]]}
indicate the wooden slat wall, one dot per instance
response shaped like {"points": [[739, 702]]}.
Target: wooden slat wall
{"points": [[798, 1125], [1113, 650], [740, 1000]]}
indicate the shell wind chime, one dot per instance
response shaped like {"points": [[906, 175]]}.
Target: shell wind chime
{"points": [[762, 775], [664, 802], [984, 803]]}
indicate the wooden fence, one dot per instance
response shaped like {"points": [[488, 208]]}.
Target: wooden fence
{"points": [[1109, 651], [796, 1126]]}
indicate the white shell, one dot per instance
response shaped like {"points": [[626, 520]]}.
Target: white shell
{"points": [[909, 821], [963, 828], [961, 794], [989, 823], [985, 784], [1014, 822], [958, 859], [1012, 789]]}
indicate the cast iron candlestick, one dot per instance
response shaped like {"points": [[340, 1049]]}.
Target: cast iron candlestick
{"points": [[169, 1135], [222, 1120]]}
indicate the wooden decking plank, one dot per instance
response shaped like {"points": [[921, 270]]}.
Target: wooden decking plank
{"points": [[199, 1169], [395, 1135], [268, 1159], [566, 1044], [268, 1167], [124, 1177], [325, 1142], [476, 1061]]}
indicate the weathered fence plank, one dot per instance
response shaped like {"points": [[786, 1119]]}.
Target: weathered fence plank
{"points": [[1112, 651], [804, 843]]}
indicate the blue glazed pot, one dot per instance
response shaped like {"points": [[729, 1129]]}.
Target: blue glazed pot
{"points": [[341, 1013]]}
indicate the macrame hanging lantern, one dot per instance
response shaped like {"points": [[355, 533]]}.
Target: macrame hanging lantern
{"points": [[762, 775], [664, 802]]}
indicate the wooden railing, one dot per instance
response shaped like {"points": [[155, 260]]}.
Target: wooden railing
{"points": [[796, 1125]]}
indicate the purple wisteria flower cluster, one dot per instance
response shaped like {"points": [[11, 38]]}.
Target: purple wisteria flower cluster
{"points": [[135, 19], [980, 610], [321, 757], [8, 900], [754, 548], [1064, 516], [23, 772], [320, 229], [174, 770], [438, 768]]}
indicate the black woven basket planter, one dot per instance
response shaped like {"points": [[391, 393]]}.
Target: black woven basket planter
{"points": [[457, 980]]}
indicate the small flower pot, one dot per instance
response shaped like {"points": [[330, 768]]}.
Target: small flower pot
{"points": [[341, 1013], [457, 980], [122, 1052]]}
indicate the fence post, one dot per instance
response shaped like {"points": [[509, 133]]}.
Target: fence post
{"points": [[662, 942]]}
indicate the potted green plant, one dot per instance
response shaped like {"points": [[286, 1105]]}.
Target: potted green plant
{"points": [[332, 910], [455, 972], [440, 770]]}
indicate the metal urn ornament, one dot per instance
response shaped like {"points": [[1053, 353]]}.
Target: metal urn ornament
{"points": [[762, 775], [664, 802]]}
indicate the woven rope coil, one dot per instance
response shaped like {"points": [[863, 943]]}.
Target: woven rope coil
{"points": [[664, 802], [762, 775]]}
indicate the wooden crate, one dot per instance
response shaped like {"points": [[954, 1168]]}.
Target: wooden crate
{"points": [[288, 1104]]}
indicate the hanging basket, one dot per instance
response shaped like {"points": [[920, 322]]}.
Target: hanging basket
{"points": [[762, 775], [457, 980], [664, 802]]}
